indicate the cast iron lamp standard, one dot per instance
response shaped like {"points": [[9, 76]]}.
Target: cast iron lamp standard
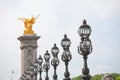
{"points": [[55, 60], [31, 71], [66, 56], [35, 68], [26, 76], [40, 68], [85, 47], [23, 77], [46, 65]]}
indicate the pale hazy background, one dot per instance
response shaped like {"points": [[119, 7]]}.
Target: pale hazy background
{"points": [[58, 17]]}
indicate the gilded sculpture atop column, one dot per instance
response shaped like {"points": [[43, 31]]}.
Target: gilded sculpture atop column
{"points": [[28, 22]]}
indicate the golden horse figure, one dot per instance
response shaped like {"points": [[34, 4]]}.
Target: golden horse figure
{"points": [[28, 24]]}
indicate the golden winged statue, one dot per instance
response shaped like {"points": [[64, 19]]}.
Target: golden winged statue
{"points": [[28, 24]]}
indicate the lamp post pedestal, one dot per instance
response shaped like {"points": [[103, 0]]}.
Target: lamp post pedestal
{"points": [[67, 79], [85, 77], [46, 78], [66, 73], [85, 70], [40, 72]]}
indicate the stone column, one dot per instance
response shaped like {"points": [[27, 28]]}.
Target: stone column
{"points": [[28, 50]]}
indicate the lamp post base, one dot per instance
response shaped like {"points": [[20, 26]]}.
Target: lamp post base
{"points": [[85, 77], [67, 79]]}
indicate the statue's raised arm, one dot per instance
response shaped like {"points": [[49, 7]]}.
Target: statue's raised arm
{"points": [[28, 24]]}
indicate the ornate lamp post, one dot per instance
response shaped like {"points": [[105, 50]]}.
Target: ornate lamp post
{"points": [[55, 60], [26, 76], [35, 68], [40, 69], [66, 56], [85, 47], [31, 71], [46, 65], [22, 78]]}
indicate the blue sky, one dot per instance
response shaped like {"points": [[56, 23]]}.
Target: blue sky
{"points": [[58, 17]]}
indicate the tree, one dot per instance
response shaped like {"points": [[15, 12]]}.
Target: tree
{"points": [[118, 78], [97, 77], [77, 78], [114, 75]]}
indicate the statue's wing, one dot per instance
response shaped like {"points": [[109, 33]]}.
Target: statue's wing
{"points": [[22, 19]]}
